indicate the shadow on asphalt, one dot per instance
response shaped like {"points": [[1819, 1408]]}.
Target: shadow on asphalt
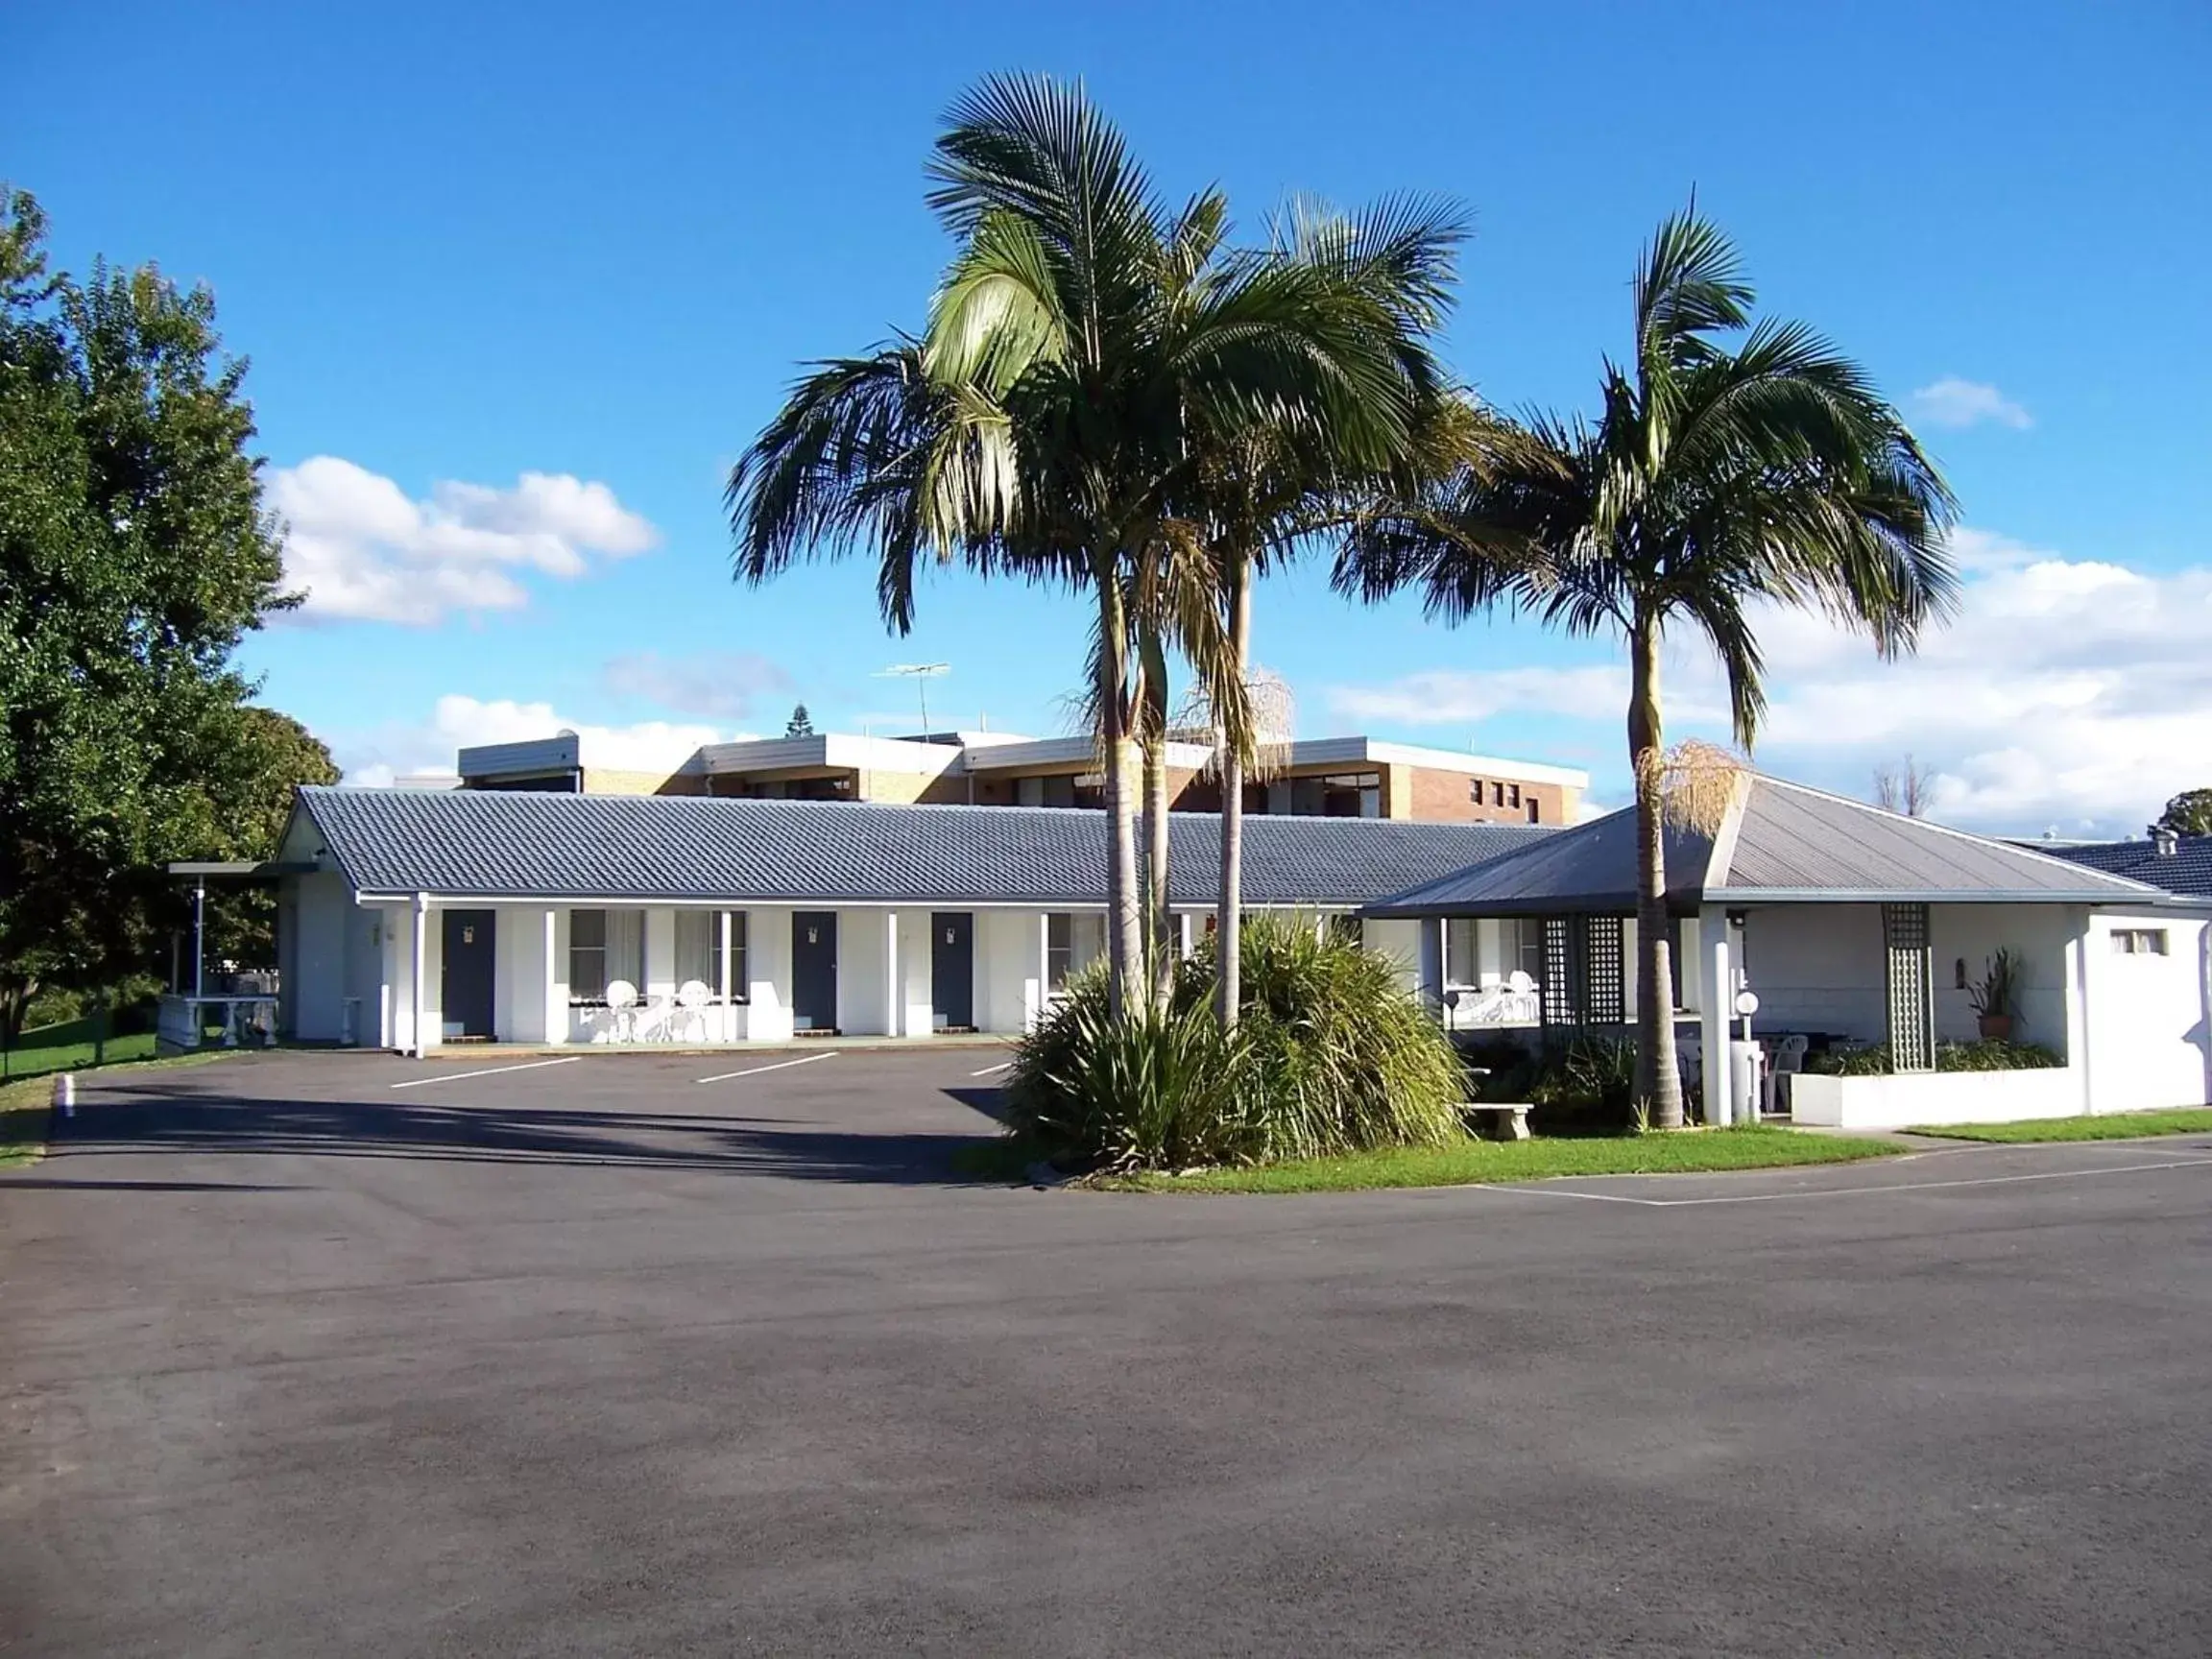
{"points": [[155, 1116], [43, 1185]]}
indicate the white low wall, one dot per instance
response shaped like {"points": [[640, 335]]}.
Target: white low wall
{"points": [[1900, 1102]]}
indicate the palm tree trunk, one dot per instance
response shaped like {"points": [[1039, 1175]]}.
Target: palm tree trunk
{"points": [[1160, 921], [1228, 916], [1125, 938], [1658, 1079]]}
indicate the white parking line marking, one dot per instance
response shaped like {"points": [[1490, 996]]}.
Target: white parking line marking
{"points": [[487, 1072], [1850, 1191], [988, 1070], [756, 1070]]}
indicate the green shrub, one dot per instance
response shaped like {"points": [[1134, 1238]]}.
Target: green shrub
{"points": [[1863, 1060], [1995, 1054], [1331, 1055], [1987, 1054]]}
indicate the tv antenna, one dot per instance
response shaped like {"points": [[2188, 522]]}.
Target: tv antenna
{"points": [[921, 673]]}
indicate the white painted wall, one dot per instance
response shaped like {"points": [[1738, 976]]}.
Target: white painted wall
{"points": [[2149, 1015], [861, 973], [1817, 968], [1969, 934], [1009, 969], [315, 983], [768, 975], [1930, 1098], [365, 926], [518, 974], [916, 1008]]}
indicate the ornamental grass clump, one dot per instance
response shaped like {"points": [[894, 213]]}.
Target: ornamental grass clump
{"points": [[1329, 1055]]}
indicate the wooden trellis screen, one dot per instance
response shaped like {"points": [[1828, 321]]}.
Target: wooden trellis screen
{"points": [[1583, 982]]}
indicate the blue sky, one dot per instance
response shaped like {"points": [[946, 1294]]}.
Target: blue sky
{"points": [[464, 245]]}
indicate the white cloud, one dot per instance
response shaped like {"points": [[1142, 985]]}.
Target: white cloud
{"points": [[1465, 696], [361, 548], [721, 685], [1954, 403], [457, 722], [2074, 693]]}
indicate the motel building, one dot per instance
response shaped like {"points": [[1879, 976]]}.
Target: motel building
{"points": [[413, 920]]}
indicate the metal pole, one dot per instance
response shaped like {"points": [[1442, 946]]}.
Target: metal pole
{"points": [[199, 938]]}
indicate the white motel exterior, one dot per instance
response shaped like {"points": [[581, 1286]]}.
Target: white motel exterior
{"points": [[412, 920]]}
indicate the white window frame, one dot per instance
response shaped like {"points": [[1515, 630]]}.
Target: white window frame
{"points": [[2141, 942]]}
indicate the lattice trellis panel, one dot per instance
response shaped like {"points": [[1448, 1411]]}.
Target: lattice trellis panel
{"points": [[1910, 982], [1606, 998], [1561, 1005]]}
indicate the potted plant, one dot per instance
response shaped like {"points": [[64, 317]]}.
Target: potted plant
{"points": [[1996, 995]]}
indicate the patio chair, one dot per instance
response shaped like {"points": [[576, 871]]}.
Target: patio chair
{"points": [[690, 1014], [1789, 1058], [622, 1011]]}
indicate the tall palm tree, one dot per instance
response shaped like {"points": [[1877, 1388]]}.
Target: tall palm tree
{"points": [[1735, 467], [1097, 341], [1267, 489]]}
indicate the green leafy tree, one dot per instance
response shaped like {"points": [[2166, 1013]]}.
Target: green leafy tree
{"points": [[135, 553], [800, 724], [1734, 466], [252, 795], [2188, 813]]}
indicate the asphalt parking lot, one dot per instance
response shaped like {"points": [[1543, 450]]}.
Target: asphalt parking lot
{"points": [[344, 1354]]}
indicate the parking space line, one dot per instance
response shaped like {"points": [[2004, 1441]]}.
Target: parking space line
{"points": [[487, 1072], [988, 1070], [756, 1070], [1549, 1191]]}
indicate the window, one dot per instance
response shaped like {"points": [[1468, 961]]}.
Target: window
{"points": [[698, 949], [1514, 791], [1497, 794], [604, 946], [1535, 811], [1459, 963], [1059, 949], [2139, 942], [1474, 791]]}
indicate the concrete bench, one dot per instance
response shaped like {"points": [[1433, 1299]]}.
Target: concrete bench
{"points": [[1507, 1120]]}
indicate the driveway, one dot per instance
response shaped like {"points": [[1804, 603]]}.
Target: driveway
{"points": [[344, 1354]]}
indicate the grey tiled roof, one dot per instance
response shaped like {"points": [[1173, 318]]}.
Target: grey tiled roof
{"points": [[498, 844], [2186, 870], [1782, 842]]}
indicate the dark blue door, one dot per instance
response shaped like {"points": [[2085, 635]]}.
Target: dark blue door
{"points": [[814, 970], [952, 971], [465, 997]]}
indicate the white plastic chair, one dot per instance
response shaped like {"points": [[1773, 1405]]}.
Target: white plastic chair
{"points": [[690, 1011], [622, 1010], [1788, 1056]]}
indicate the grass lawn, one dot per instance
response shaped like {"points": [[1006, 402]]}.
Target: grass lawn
{"points": [[69, 1047], [27, 1102], [1477, 1161], [2116, 1126]]}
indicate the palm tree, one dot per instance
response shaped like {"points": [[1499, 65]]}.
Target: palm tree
{"points": [[1735, 466], [1098, 344], [1268, 488]]}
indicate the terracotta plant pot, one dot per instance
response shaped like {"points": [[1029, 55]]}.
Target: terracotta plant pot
{"points": [[1996, 1027]]}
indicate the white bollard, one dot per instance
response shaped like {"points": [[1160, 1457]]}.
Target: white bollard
{"points": [[65, 1095]]}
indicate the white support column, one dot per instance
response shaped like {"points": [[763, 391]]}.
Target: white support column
{"points": [[555, 991], [722, 986], [1185, 939], [1034, 1013], [2078, 959], [1718, 995], [421, 930], [893, 985]]}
